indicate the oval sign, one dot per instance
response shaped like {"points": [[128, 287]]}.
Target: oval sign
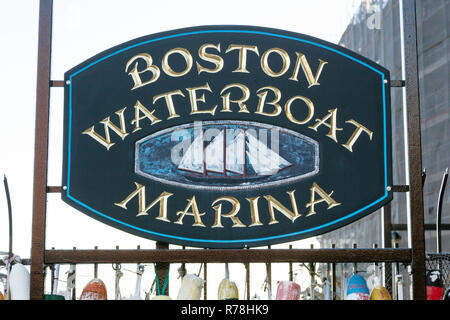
{"points": [[227, 137]]}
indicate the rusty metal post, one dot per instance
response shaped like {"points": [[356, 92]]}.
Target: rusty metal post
{"points": [[387, 243], [416, 236], [41, 150]]}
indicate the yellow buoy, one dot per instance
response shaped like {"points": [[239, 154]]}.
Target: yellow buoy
{"points": [[380, 293], [161, 297], [228, 290]]}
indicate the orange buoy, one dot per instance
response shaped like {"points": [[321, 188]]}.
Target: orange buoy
{"points": [[94, 290]]}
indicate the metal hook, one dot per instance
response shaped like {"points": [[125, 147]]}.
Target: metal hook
{"points": [[116, 266]]}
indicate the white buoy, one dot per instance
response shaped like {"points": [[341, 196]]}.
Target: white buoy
{"points": [[191, 287], [19, 282]]}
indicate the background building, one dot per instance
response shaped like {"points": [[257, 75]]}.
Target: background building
{"points": [[374, 32]]}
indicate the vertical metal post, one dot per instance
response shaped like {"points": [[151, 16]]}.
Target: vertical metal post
{"points": [[416, 236], [387, 243], [162, 268], [205, 277], [333, 272], [41, 150], [269, 277], [291, 272]]}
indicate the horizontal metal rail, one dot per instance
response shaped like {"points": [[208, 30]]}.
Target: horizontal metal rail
{"points": [[226, 255], [427, 226]]}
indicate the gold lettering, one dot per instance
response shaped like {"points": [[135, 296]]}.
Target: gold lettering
{"points": [[226, 98], [215, 59], [138, 107], [359, 129], [243, 49], [324, 197], [106, 141], [332, 125], [265, 64], [232, 214], [187, 58], [254, 212], [309, 104], [262, 101], [135, 73], [274, 203], [195, 213], [301, 61], [140, 191], [194, 99], [168, 96]]}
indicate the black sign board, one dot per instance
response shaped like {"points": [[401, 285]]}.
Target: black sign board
{"points": [[227, 136]]}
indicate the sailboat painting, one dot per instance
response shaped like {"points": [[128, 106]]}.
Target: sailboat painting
{"points": [[226, 155]]}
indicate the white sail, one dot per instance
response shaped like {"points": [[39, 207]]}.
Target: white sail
{"points": [[264, 160], [193, 158], [214, 154], [235, 154]]}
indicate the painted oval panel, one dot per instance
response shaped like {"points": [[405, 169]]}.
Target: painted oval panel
{"points": [[226, 155]]}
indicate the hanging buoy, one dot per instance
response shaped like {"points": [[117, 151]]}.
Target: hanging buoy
{"points": [[379, 292], [435, 289], [191, 287], [288, 290], [94, 290], [19, 282], [357, 288], [161, 297], [227, 289]]}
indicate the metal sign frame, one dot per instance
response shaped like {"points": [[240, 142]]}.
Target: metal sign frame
{"points": [[40, 256]]}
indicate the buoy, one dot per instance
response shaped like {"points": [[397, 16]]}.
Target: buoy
{"points": [[19, 282], [378, 291], [161, 297], [94, 290], [227, 289], [357, 288], [435, 289], [1, 296], [191, 287], [288, 290]]}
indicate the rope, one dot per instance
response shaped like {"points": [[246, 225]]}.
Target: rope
{"points": [[166, 281]]}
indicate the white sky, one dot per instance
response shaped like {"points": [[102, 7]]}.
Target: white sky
{"points": [[81, 29]]}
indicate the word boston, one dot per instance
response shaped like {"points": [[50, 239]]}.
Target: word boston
{"points": [[227, 136]]}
